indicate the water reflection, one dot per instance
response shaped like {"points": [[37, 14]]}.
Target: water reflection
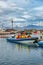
{"points": [[21, 47], [15, 54], [42, 51]]}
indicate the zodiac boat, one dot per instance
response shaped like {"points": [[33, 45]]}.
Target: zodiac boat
{"points": [[28, 41]]}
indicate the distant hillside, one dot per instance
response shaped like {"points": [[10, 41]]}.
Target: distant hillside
{"points": [[27, 27], [34, 27]]}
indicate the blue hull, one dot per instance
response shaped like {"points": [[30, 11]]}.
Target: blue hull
{"points": [[26, 41], [23, 39], [40, 43]]}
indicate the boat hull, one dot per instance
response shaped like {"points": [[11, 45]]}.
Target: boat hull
{"points": [[40, 43], [26, 41]]}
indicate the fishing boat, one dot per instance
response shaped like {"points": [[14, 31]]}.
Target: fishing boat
{"points": [[27, 41]]}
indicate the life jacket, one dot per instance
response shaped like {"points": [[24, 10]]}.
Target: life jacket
{"points": [[18, 36], [28, 36], [23, 36]]}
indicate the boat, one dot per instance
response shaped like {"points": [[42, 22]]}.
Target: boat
{"points": [[40, 43], [27, 41]]}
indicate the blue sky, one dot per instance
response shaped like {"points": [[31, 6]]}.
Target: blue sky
{"points": [[23, 12]]}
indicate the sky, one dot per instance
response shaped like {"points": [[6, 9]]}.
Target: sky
{"points": [[23, 12]]}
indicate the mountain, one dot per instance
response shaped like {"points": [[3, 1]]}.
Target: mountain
{"points": [[27, 27], [34, 27]]}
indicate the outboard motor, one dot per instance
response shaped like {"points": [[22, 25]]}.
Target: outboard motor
{"points": [[36, 40]]}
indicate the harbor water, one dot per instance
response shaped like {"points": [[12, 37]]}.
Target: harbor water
{"points": [[15, 54]]}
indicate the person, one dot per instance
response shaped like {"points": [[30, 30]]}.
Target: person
{"points": [[40, 37], [36, 40], [18, 36]]}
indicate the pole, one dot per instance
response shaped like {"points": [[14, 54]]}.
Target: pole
{"points": [[12, 24]]}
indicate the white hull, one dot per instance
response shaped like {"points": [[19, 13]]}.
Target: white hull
{"points": [[30, 42]]}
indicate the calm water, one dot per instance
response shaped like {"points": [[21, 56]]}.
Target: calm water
{"points": [[14, 54]]}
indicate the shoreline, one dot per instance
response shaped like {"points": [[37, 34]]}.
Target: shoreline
{"points": [[6, 34]]}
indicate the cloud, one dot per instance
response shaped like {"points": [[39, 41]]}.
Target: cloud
{"points": [[38, 23], [3, 0], [19, 24], [12, 4], [1, 11], [38, 12], [9, 6], [14, 18], [26, 16], [19, 19], [40, 8], [19, 8], [39, 0], [25, 12], [3, 4]]}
